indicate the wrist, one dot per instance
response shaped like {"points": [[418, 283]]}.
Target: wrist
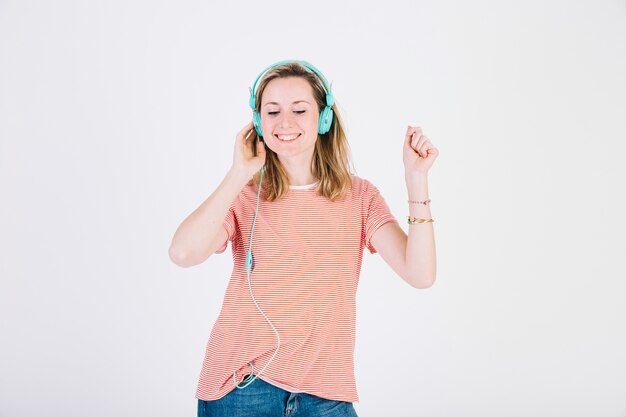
{"points": [[238, 176], [416, 177], [417, 186]]}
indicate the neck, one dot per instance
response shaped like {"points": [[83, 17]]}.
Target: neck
{"points": [[298, 169]]}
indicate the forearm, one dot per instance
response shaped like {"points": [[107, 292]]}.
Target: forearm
{"points": [[420, 257], [194, 238]]}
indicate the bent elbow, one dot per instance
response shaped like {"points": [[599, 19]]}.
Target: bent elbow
{"points": [[180, 258], [176, 256], [186, 259], [423, 282]]}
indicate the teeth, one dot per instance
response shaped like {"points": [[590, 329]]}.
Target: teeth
{"points": [[287, 137]]}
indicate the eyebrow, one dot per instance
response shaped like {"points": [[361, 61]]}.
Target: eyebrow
{"points": [[295, 102]]}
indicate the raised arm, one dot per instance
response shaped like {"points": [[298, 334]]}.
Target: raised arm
{"points": [[412, 257], [202, 232]]}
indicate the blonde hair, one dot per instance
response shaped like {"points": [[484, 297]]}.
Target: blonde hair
{"points": [[331, 161]]}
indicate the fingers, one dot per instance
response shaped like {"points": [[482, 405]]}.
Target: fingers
{"points": [[243, 146], [426, 148], [410, 131], [415, 140], [433, 151], [244, 133], [260, 148], [421, 145]]}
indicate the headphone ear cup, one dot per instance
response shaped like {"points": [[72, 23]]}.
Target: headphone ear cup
{"points": [[256, 120], [326, 120]]}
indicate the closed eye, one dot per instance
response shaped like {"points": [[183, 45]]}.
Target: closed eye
{"points": [[272, 113]]}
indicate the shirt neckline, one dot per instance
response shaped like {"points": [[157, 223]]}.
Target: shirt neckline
{"points": [[303, 187]]}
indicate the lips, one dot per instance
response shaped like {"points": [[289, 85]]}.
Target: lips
{"points": [[287, 137]]}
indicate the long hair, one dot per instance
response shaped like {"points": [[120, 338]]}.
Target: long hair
{"points": [[331, 161]]}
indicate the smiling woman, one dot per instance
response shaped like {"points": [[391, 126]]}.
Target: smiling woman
{"points": [[289, 130], [289, 343], [294, 100]]}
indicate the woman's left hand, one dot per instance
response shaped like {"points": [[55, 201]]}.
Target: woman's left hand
{"points": [[419, 153]]}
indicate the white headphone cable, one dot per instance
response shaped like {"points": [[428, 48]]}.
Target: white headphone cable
{"points": [[249, 263]]}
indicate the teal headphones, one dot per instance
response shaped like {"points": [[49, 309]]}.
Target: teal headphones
{"points": [[326, 115]]}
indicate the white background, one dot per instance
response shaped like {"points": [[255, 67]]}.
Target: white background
{"points": [[117, 119]]}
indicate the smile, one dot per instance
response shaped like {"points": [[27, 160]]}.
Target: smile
{"points": [[287, 138]]}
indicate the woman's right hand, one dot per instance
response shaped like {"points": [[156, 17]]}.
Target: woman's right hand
{"points": [[244, 160]]}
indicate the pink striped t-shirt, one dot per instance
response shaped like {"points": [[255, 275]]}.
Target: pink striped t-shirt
{"points": [[307, 258]]}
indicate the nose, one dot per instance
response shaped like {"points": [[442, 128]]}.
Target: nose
{"points": [[285, 119]]}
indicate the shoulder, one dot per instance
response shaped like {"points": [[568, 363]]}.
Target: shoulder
{"points": [[247, 196], [362, 186]]}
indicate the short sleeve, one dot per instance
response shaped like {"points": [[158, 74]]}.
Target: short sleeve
{"points": [[230, 224], [378, 214]]}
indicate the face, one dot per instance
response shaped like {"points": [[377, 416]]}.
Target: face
{"points": [[289, 117]]}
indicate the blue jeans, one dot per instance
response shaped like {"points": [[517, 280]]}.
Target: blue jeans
{"points": [[261, 399]]}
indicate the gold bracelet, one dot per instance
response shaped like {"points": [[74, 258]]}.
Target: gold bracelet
{"points": [[413, 220]]}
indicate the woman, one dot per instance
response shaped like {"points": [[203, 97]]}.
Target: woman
{"points": [[298, 222]]}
